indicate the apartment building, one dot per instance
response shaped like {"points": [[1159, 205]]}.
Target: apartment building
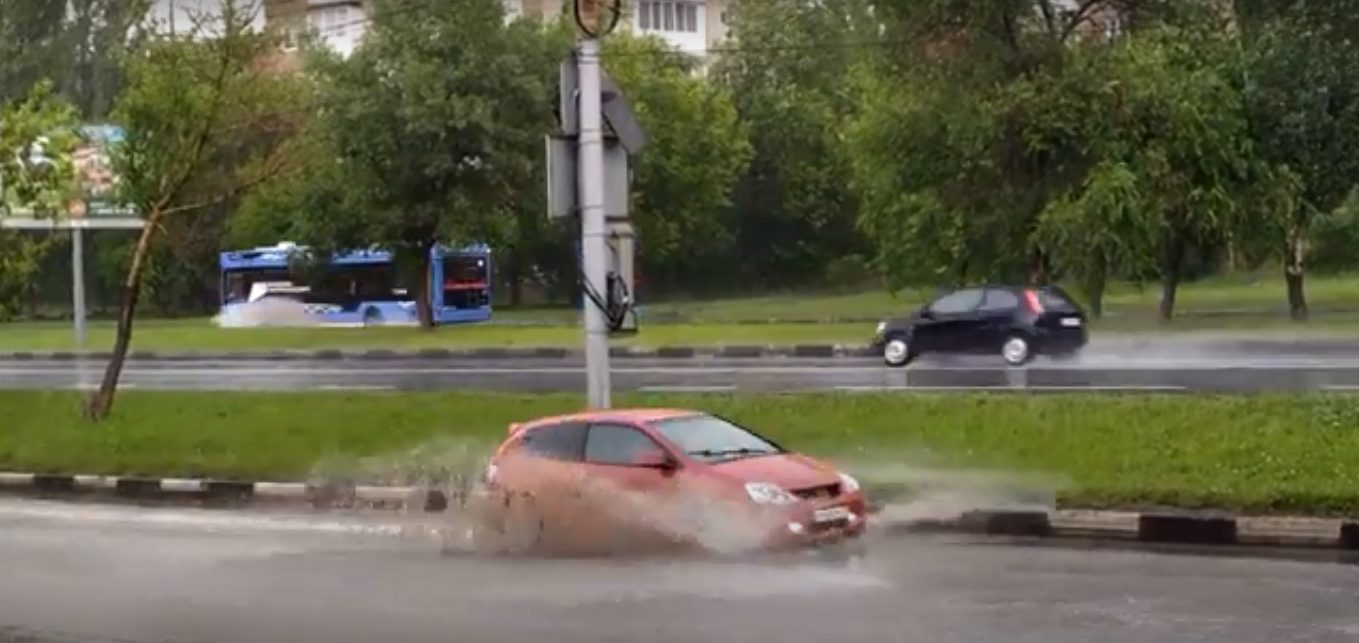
{"points": [[693, 26]]}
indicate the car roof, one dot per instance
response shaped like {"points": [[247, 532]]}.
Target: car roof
{"points": [[625, 416]]}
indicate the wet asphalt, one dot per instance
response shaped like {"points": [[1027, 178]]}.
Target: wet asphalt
{"points": [[102, 574]]}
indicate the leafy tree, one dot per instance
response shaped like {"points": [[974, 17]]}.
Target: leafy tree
{"points": [[793, 211], [36, 138], [1303, 99], [696, 149], [1168, 160], [436, 122], [31, 46], [195, 109]]}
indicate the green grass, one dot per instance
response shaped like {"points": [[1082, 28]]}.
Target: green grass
{"points": [[1266, 454], [201, 335], [1264, 293], [709, 323]]}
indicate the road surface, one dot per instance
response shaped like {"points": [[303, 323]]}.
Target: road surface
{"points": [[753, 375], [74, 573]]}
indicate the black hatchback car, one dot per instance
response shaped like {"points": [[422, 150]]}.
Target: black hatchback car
{"points": [[1016, 323]]}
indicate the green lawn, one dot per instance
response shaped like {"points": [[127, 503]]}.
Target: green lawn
{"points": [[1264, 294], [1263, 453], [711, 323], [201, 335]]}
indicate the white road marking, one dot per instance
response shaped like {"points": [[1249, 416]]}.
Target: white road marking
{"points": [[686, 389]]}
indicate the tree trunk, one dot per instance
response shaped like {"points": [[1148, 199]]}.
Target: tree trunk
{"points": [[515, 277], [1038, 269], [100, 404], [1171, 270], [1294, 261], [424, 309], [1094, 285]]}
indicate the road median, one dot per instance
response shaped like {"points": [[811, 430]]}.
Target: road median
{"points": [[1262, 454]]}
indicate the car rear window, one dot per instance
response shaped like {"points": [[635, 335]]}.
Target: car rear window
{"points": [[1055, 299]]}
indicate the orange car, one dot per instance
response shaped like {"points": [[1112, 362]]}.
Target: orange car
{"points": [[659, 480]]}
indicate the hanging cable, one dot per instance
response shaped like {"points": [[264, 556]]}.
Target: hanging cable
{"points": [[594, 32], [615, 302]]}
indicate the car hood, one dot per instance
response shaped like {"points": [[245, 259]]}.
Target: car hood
{"points": [[788, 470]]}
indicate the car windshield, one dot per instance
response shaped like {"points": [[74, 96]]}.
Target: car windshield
{"points": [[712, 439]]}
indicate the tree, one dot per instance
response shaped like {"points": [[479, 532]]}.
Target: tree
{"points": [[36, 178], [696, 149], [198, 110], [1303, 100], [31, 46], [1002, 133], [1168, 160], [793, 212], [433, 120]]}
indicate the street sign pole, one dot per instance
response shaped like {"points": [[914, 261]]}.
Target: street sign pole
{"points": [[593, 224]]}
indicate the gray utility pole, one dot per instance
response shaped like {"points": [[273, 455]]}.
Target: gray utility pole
{"points": [[588, 176], [593, 225]]}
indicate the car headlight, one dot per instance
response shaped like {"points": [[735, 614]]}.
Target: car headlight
{"points": [[767, 494], [848, 484], [882, 326]]}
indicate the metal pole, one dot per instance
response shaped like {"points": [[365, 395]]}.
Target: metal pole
{"points": [[78, 285], [593, 228]]}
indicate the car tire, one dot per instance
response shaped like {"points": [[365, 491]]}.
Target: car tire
{"points": [[372, 317], [1016, 351], [520, 532], [896, 352], [849, 553]]}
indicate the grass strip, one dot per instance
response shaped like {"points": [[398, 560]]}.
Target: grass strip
{"points": [[1261, 454], [201, 335]]}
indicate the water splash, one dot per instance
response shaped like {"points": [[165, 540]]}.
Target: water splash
{"points": [[267, 313]]}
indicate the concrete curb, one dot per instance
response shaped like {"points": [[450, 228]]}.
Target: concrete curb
{"points": [[1150, 528], [1163, 528], [806, 351]]}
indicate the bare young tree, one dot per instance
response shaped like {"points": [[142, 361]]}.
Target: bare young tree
{"points": [[207, 120]]}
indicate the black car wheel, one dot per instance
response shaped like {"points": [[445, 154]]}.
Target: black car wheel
{"points": [[896, 352], [1016, 350]]}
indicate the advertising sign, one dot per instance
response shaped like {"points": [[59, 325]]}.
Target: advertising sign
{"points": [[93, 202], [98, 183]]}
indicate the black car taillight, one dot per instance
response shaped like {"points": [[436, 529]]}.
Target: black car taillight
{"points": [[1034, 304]]}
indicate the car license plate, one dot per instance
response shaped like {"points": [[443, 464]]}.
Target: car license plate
{"points": [[830, 515], [1071, 322]]}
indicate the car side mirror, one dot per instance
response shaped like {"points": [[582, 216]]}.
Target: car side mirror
{"points": [[656, 460], [925, 313]]}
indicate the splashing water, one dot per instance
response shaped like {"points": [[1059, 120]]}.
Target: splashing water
{"points": [[907, 489], [266, 313]]}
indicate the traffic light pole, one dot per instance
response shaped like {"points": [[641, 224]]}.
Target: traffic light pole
{"points": [[593, 224]]}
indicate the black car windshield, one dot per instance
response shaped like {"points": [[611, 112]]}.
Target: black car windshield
{"points": [[711, 439]]}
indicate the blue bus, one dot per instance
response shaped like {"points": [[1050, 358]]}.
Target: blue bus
{"points": [[358, 288]]}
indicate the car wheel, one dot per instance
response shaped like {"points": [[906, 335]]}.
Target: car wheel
{"points": [[849, 553], [1015, 351], [896, 352], [520, 532], [371, 317]]}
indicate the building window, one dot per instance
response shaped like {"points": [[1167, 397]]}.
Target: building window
{"points": [[667, 15], [335, 22]]}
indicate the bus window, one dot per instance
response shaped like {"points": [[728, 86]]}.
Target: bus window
{"points": [[236, 283], [465, 281], [352, 284]]}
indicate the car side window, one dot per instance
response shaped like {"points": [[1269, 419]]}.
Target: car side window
{"points": [[557, 442], [961, 301], [998, 300], [617, 444]]}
